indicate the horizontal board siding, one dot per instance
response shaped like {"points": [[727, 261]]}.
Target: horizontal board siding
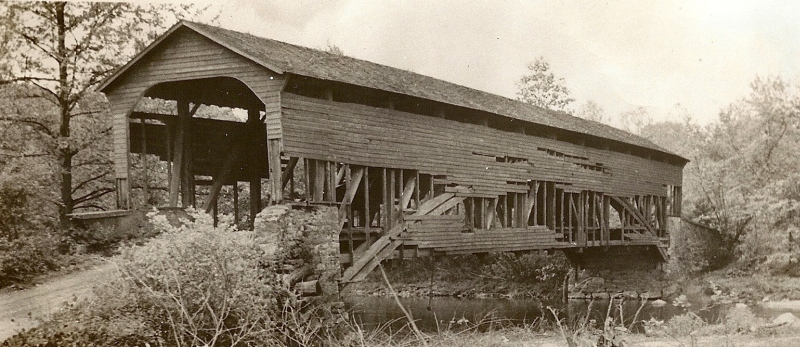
{"points": [[465, 153], [186, 56]]}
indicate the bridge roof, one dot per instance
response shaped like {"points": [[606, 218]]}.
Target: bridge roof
{"points": [[283, 58]]}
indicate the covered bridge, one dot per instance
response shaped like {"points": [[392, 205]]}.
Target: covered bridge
{"points": [[417, 166]]}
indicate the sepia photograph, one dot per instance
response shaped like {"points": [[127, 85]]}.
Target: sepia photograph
{"points": [[578, 173]]}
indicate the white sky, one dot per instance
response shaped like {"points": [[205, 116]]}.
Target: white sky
{"points": [[621, 54]]}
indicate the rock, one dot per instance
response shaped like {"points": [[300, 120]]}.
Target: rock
{"points": [[273, 213], [658, 303], [765, 299], [669, 291], [601, 296], [681, 301], [786, 319], [630, 294], [740, 306]]}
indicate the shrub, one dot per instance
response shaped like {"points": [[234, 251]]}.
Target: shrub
{"points": [[685, 324], [209, 285], [529, 268], [193, 285], [13, 200], [740, 320], [28, 256]]}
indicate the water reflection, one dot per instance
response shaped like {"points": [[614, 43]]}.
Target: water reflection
{"points": [[441, 313]]}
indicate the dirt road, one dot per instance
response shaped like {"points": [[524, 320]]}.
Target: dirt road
{"points": [[20, 309]]}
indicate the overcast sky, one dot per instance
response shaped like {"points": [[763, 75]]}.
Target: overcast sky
{"points": [[621, 54]]}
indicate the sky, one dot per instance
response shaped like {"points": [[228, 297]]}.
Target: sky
{"points": [[701, 55]]}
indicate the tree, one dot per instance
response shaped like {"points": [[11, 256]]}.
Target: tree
{"points": [[633, 121], [747, 169], [541, 88], [63, 50], [333, 49], [592, 111]]}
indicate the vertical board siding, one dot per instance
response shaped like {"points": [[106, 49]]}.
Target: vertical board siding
{"points": [[468, 154]]}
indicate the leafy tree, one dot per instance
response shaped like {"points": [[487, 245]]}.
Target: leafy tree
{"points": [[540, 87], [634, 120], [747, 168], [333, 48], [592, 111], [60, 51]]}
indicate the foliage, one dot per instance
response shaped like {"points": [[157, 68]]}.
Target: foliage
{"points": [[57, 52], [540, 87], [592, 111], [193, 285], [13, 200], [29, 255], [27, 247], [685, 324], [748, 172], [208, 284], [190, 286], [634, 120], [529, 268]]}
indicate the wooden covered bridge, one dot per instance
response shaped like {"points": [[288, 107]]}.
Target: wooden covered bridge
{"points": [[416, 166]]}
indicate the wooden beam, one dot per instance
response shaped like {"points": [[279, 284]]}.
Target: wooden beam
{"points": [[408, 191], [236, 203], [306, 179], [178, 153], [561, 213], [417, 197], [606, 217], [274, 167], [570, 209], [319, 180], [354, 178], [530, 200], [385, 197], [330, 181], [432, 204], [635, 214], [367, 216], [551, 206], [350, 185], [490, 213], [392, 194], [253, 172], [340, 174], [222, 176], [288, 174], [143, 156]]}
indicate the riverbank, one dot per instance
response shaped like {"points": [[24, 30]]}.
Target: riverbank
{"points": [[525, 337]]}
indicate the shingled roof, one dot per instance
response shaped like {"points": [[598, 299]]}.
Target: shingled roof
{"points": [[283, 57]]}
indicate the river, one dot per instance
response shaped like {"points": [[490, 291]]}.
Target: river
{"points": [[440, 313]]}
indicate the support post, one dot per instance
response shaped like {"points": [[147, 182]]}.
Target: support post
{"points": [[288, 174], [178, 153], [254, 174], [385, 197], [145, 184], [236, 202], [276, 177], [367, 216]]}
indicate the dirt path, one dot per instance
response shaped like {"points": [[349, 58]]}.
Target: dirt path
{"points": [[20, 309]]}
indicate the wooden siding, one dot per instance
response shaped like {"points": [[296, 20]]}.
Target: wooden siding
{"points": [[493, 162], [187, 56]]}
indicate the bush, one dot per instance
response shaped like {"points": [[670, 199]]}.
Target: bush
{"points": [[13, 200], [193, 285], [28, 256], [529, 268], [685, 324], [210, 286]]}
